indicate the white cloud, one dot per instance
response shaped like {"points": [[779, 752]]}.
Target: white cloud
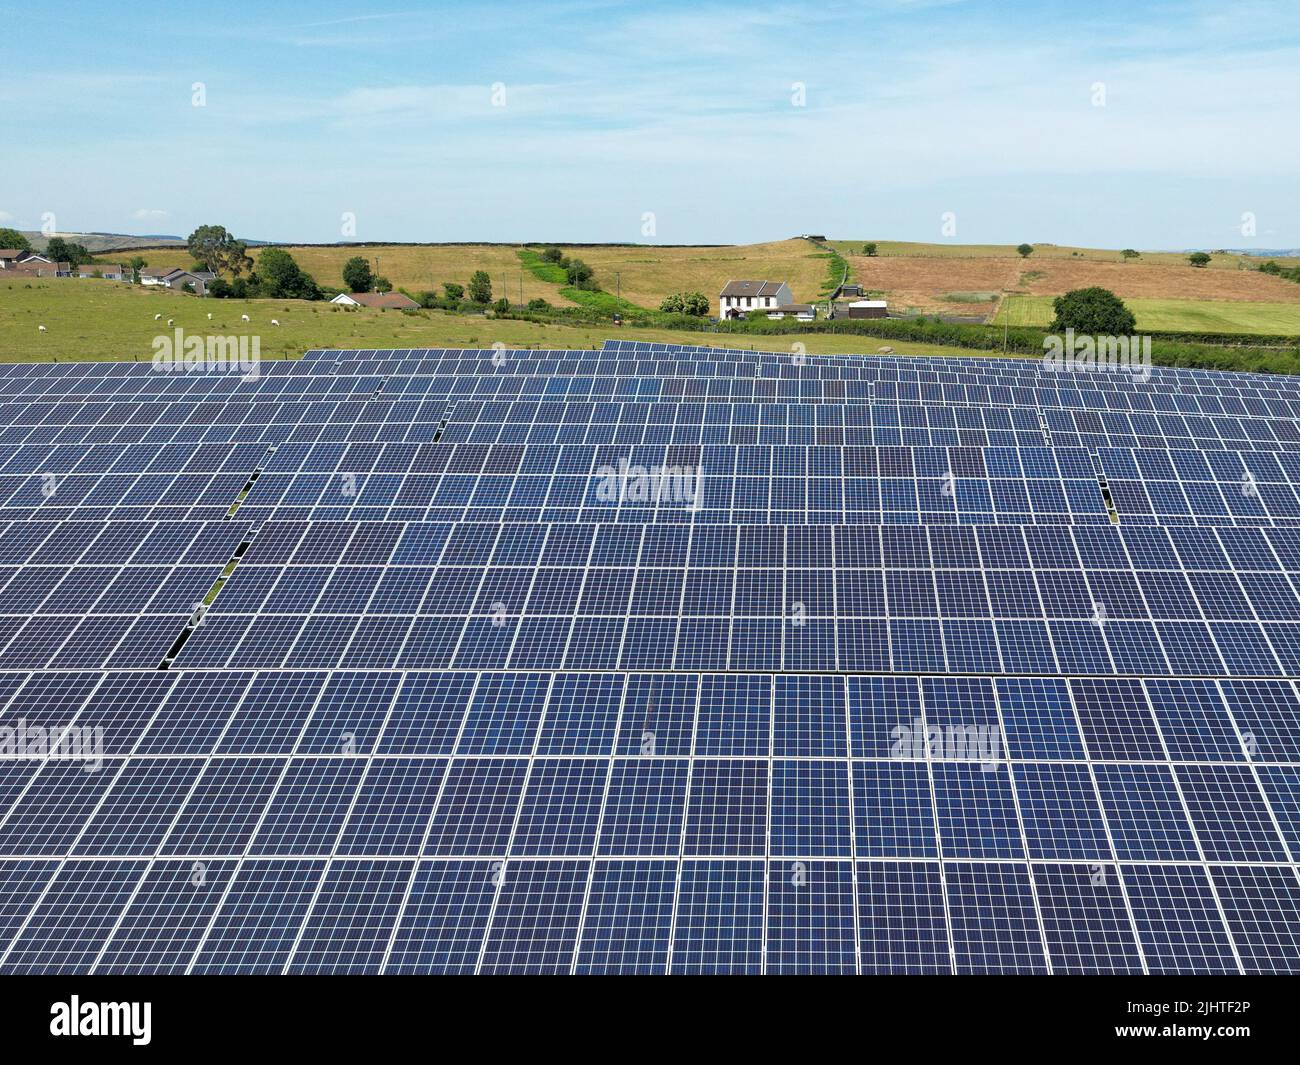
{"points": [[146, 214]]}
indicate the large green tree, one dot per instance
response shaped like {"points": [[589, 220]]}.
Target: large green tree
{"points": [[580, 275], [480, 287], [1199, 258], [280, 277], [693, 303], [218, 251], [357, 274], [1093, 311], [1026, 250], [11, 238], [62, 251]]}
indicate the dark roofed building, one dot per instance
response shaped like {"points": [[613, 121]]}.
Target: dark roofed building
{"points": [[740, 297]]}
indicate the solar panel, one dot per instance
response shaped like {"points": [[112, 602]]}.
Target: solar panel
{"points": [[952, 665]]}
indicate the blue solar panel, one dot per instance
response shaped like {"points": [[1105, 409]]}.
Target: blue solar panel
{"points": [[904, 690]]}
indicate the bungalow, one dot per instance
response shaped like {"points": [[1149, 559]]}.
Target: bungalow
{"points": [[32, 263], [108, 271], [805, 312], [739, 297], [869, 309], [393, 301], [174, 277]]}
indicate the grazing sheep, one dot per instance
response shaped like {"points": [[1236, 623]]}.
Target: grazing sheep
{"points": [[244, 317], [171, 321], [275, 321], [41, 328], [209, 316], [156, 317]]}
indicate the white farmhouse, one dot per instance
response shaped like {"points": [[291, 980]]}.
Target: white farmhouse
{"points": [[738, 298]]}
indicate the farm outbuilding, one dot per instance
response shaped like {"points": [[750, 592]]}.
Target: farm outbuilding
{"points": [[869, 309]]}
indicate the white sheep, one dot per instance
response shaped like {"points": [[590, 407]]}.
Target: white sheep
{"points": [[244, 317], [209, 316], [275, 321], [156, 317], [171, 321], [41, 328]]}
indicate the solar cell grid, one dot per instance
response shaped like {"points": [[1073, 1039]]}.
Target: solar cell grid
{"points": [[857, 711]]}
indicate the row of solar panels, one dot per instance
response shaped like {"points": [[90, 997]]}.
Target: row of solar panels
{"points": [[902, 368], [716, 484], [162, 391], [620, 916], [150, 713], [893, 546], [1001, 381], [661, 807], [629, 425], [204, 393]]}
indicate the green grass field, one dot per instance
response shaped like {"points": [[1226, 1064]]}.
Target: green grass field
{"points": [[89, 319], [643, 274], [1161, 315]]}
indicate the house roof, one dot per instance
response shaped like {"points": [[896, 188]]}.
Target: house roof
{"points": [[869, 303], [10, 253], [392, 300], [37, 264], [752, 288]]}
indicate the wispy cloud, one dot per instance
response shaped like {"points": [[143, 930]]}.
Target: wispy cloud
{"points": [[909, 107]]}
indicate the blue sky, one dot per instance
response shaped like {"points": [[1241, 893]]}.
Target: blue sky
{"points": [[689, 111]]}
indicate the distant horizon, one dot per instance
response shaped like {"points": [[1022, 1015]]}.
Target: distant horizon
{"points": [[381, 242]]}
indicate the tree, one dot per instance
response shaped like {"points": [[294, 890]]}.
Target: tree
{"points": [[553, 255], [382, 284], [1130, 253], [580, 275], [136, 263], [357, 275], [692, 303], [480, 287], [1092, 311], [869, 249], [538, 304], [695, 303], [280, 277], [1198, 258], [1026, 250], [455, 293], [218, 251], [61, 251], [11, 238], [502, 306]]}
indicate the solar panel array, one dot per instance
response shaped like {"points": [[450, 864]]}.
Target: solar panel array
{"points": [[386, 661]]}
